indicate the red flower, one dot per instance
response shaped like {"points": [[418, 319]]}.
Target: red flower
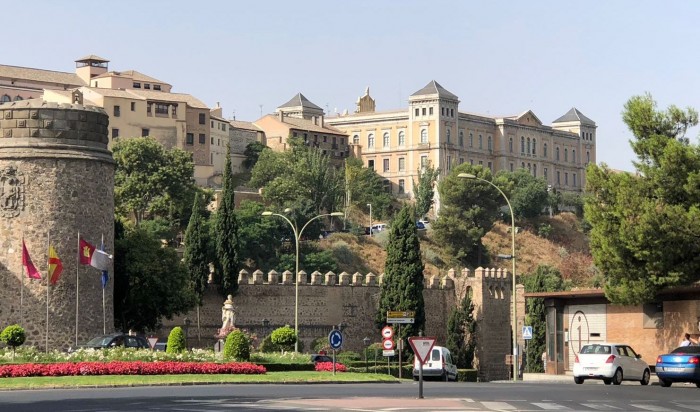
{"points": [[328, 367]]}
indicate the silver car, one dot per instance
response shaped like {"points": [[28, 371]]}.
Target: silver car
{"points": [[611, 362]]}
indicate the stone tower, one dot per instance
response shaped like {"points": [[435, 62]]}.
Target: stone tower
{"points": [[56, 179]]}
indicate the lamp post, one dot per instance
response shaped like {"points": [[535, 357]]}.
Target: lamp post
{"points": [[297, 237], [370, 219], [514, 303], [366, 342]]}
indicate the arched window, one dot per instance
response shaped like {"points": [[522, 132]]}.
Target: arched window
{"points": [[522, 144], [488, 143], [510, 144], [534, 170], [557, 153], [461, 138], [18, 98], [529, 150], [424, 136], [566, 155], [588, 157], [356, 139], [573, 155], [534, 147], [544, 150], [5, 98], [471, 139], [370, 141], [386, 139], [402, 138], [447, 134], [481, 142], [522, 166]]}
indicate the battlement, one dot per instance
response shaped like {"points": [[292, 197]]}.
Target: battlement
{"points": [[316, 278]]}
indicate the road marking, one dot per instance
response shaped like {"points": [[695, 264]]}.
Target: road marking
{"points": [[498, 406], [689, 406], [653, 407], [550, 406], [600, 406]]}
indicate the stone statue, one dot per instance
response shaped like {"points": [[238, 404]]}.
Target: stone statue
{"points": [[228, 315]]}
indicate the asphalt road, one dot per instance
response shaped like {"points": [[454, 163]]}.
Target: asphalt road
{"points": [[505, 396]]}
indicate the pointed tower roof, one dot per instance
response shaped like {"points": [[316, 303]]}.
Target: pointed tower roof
{"points": [[574, 115], [92, 57], [300, 101], [434, 88]]}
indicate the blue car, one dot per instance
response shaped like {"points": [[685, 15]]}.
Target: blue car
{"points": [[681, 365]]}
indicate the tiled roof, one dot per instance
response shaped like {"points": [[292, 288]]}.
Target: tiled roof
{"points": [[171, 97], [237, 124], [300, 100], [126, 94], [131, 74], [434, 88], [305, 124], [92, 57], [39, 75], [574, 115]]}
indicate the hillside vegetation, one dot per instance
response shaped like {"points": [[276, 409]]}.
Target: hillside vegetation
{"points": [[565, 248]]}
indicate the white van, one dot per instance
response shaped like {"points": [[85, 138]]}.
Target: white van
{"points": [[438, 365], [379, 227]]}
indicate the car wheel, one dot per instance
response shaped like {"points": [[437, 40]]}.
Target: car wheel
{"points": [[607, 381], [664, 383], [617, 378], [578, 380], [645, 377]]}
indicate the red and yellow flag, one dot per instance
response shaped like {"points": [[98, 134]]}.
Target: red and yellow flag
{"points": [[55, 266]]}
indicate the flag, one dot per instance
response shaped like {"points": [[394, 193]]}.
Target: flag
{"points": [[28, 265], [105, 273], [55, 266], [96, 258]]}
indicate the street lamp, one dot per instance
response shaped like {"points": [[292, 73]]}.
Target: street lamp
{"points": [[366, 342], [512, 257], [297, 237], [370, 219]]}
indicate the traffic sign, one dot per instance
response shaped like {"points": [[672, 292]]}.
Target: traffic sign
{"points": [[335, 339], [387, 332], [152, 341], [527, 332], [389, 353], [407, 316], [422, 345], [388, 344]]}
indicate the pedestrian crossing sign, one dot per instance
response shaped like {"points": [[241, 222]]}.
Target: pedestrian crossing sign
{"points": [[527, 332]]}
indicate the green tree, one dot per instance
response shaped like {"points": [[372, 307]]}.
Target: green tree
{"points": [[177, 342], [402, 288], [468, 211], [227, 243], [150, 282], [461, 333], [544, 279], [237, 346], [196, 257], [527, 194], [149, 180], [364, 186], [13, 336], [252, 153], [424, 189], [259, 237], [284, 338], [645, 227]]}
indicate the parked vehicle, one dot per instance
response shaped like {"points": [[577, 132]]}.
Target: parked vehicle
{"points": [[611, 362], [321, 358], [439, 365], [379, 227], [116, 339], [681, 365]]}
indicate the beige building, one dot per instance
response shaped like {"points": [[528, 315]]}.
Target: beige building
{"points": [[242, 134], [398, 143]]}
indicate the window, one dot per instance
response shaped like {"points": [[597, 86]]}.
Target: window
{"points": [[461, 138], [402, 138], [5, 98], [558, 177], [223, 127], [162, 109], [423, 136], [511, 166], [442, 111], [190, 139], [556, 153], [174, 111], [489, 145], [566, 178], [202, 138], [212, 124], [534, 147], [417, 112], [370, 141], [574, 178], [544, 150], [452, 112], [430, 110], [490, 166], [147, 86], [653, 315], [423, 111], [148, 108], [588, 157], [423, 161], [386, 185], [573, 155], [544, 173], [566, 155], [386, 165], [145, 132], [529, 149], [325, 139], [461, 160], [402, 185], [386, 139], [370, 164], [18, 98], [471, 162], [449, 162], [115, 133], [510, 145], [211, 158], [137, 85], [481, 162], [212, 140], [202, 118], [402, 164], [342, 141], [481, 142], [534, 170], [471, 139], [356, 139], [448, 133], [522, 144], [117, 111], [156, 87]]}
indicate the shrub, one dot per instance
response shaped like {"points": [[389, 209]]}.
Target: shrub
{"points": [[13, 336], [320, 344], [176, 341], [237, 346], [284, 337], [544, 231], [267, 346]]}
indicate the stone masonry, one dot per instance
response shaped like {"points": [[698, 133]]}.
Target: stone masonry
{"points": [[56, 178]]}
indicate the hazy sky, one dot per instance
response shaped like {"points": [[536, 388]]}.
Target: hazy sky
{"points": [[499, 57]]}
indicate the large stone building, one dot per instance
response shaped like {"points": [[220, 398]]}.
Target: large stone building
{"points": [[398, 143]]}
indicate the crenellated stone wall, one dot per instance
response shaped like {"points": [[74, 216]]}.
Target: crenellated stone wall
{"points": [[56, 178]]}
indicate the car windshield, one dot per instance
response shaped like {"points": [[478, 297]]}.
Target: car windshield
{"points": [[596, 349], [99, 341], [687, 349]]}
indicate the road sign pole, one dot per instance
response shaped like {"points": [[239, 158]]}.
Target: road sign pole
{"points": [[399, 343], [420, 380], [333, 362]]}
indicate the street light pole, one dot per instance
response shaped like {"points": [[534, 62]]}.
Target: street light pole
{"points": [[370, 219], [297, 237], [514, 301]]}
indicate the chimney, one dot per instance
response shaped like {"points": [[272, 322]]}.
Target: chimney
{"points": [[281, 116], [322, 122]]}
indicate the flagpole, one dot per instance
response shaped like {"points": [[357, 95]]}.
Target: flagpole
{"points": [[48, 281], [21, 290], [77, 289], [104, 312]]}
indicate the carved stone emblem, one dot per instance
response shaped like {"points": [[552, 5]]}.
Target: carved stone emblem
{"points": [[11, 192]]}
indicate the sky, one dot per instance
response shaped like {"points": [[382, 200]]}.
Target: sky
{"points": [[499, 57]]}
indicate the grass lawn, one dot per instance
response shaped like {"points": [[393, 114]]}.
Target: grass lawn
{"points": [[134, 380]]}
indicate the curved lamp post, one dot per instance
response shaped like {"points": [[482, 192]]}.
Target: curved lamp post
{"points": [[512, 257], [297, 237]]}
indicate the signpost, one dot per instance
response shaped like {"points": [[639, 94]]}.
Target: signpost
{"points": [[399, 317], [527, 332], [422, 345], [335, 340]]}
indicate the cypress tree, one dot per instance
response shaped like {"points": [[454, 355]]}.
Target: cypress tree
{"points": [[461, 338], [402, 288], [195, 255], [227, 247]]}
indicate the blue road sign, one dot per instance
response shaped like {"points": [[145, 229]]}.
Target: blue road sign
{"points": [[335, 339], [527, 332]]}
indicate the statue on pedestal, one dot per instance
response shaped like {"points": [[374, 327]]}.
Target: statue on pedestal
{"points": [[228, 314]]}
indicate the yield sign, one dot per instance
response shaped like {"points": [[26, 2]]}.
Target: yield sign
{"points": [[422, 345], [152, 341]]}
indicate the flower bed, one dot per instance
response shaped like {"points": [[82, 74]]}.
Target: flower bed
{"points": [[127, 368], [328, 367]]}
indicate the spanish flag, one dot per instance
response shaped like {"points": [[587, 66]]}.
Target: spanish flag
{"points": [[28, 265], [55, 266]]}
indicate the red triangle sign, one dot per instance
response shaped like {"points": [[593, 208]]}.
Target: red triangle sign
{"points": [[422, 345]]}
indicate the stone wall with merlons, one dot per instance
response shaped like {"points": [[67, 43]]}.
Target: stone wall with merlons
{"points": [[56, 178]]}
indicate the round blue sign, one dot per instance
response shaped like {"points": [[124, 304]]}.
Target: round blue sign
{"points": [[335, 339]]}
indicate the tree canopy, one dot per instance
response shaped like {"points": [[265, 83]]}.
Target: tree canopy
{"points": [[646, 227], [527, 194], [544, 279], [424, 190], [196, 256], [227, 262]]}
